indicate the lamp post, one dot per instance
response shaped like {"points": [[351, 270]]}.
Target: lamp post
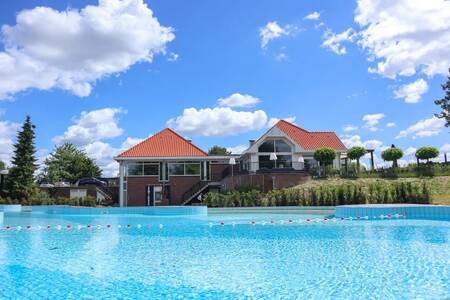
{"points": [[232, 162]]}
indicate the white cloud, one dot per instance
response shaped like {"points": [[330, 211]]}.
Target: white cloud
{"points": [[445, 148], [273, 121], [423, 128], [410, 151], [217, 121], [92, 126], [405, 36], [130, 142], [350, 128], [333, 41], [273, 31], [72, 49], [355, 140], [391, 124], [103, 154], [371, 121], [312, 16], [8, 131], [413, 91], [238, 100], [237, 149], [173, 56]]}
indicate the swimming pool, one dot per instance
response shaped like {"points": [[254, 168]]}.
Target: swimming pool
{"points": [[222, 256]]}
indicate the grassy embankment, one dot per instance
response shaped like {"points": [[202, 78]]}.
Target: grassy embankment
{"points": [[439, 185]]}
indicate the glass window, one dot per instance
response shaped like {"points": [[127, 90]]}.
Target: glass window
{"points": [[267, 146], [135, 169], [176, 169], [192, 169], [282, 146], [151, 169], [265, 162], [284, 161]]}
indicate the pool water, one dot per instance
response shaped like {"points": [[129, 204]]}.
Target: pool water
{"points": [[197, 258]]}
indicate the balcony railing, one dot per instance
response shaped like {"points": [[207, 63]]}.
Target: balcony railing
{"points": [[271, 166]]}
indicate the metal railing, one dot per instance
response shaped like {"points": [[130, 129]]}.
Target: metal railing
{"points": [[271, 166]]}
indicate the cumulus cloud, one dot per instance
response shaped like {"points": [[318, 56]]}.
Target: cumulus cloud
{"points": [[217, 121], [238, 100], [445, 148], [423, 128], [412, 92], [237, 149], [333, 41], [92, 126], [355, 140], [8, 131], [405, 36], [350, 128], [103, 154], [312, 16], [130, 142], [273, 31], [371, 121], [390, 124], [72, 49], [273, 121]]}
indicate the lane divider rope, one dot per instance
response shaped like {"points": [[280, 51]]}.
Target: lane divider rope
{"points": [[90, 227]]}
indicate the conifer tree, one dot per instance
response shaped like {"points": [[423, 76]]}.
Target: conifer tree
{"points": [[21, 178]]}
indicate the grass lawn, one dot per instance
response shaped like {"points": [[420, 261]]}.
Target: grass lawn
{"points": [[440, 185]]}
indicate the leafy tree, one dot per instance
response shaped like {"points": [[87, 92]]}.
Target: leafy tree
{"points": [[444, 103], [67, 163], [2, 165], [325, 156], [217, 150], [356, 153], [427, 153], [392, 154], [20, 180]]}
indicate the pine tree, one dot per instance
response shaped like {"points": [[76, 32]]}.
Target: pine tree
{"points": [[444, 103], [21, 180]]}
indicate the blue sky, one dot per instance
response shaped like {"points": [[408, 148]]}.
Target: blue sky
{"points": [[106, 74]]}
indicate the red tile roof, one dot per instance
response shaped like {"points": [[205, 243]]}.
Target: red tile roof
{"points": [[311, 140], [166, 143]]}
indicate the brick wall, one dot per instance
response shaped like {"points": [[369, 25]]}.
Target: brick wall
{"points": [[265, 182]]}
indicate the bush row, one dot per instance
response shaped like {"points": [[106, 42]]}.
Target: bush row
{"points": [[43, 199], [331, 194]]}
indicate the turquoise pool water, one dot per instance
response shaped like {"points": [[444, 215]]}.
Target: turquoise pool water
{"points": [[197, 258]]}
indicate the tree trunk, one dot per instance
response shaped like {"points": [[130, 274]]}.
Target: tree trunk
{"points": [[357, 166]]}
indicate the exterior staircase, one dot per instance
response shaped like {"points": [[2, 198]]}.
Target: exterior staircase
{"points": [[196, 189]]}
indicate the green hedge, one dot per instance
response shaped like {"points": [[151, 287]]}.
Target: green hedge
{"points": [[43, 199], [327, 195]]}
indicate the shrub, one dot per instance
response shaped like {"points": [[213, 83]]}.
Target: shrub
{"points": [[356, 153], [377, 192], [325, 156], [392, 154], [427, 153]]}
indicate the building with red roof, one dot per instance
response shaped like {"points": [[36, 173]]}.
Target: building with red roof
{"points": [[167, 169]]}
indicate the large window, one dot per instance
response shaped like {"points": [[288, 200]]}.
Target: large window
{"points": [[192, 169], [274, 146], [176, 169], [135, 169], [184, 168], [143, 169]]}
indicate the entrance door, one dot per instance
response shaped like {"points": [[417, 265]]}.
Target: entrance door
{"points": [[154, 195], [150, 196]]}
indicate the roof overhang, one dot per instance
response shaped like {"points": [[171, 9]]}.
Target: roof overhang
{"points": [[159, 158]]}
